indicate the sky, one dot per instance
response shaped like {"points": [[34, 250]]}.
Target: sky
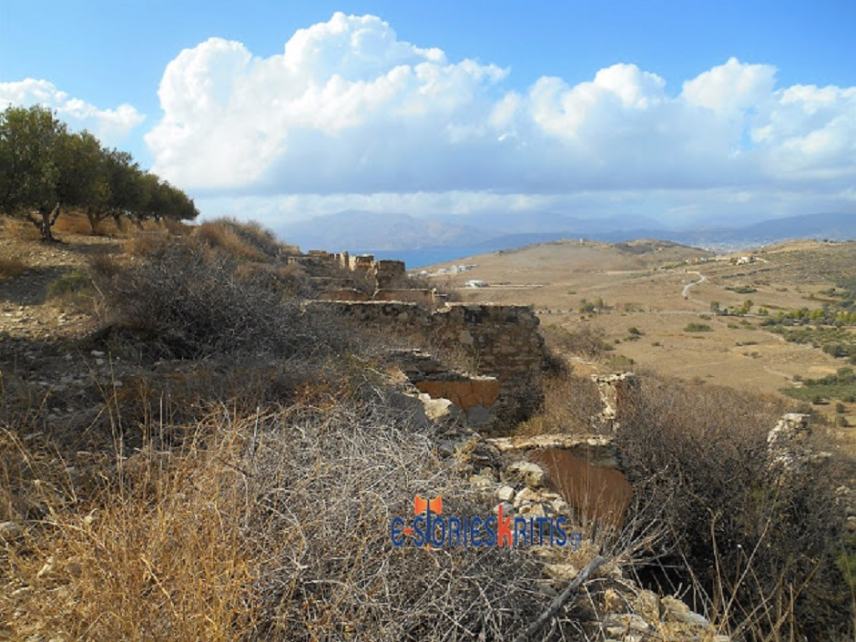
{"points": [[688, 112]]}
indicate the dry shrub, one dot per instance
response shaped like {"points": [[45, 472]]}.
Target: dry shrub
{"points": [[177, 228], [268, 526], [291, 280], [243, 241], [189, 303], [757, 549], [184, 300], [569, 404], [105, 266], [71, 222], [335, 575], [11, 267], [586, 341], [143, 243], [19, 229]]}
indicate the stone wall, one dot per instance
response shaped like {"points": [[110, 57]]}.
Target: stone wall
{"points": [[344, 294], [424, 297], [389, 273], [500, 341], [620, 395]]}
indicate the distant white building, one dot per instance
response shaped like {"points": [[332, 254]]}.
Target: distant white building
{"points": [[475, 283], [745, 260]]}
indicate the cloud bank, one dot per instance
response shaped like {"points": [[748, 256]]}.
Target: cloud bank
{"points": [[347, 108], [110, 125]]}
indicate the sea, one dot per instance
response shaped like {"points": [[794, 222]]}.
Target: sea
{"points": [[423, 257]]}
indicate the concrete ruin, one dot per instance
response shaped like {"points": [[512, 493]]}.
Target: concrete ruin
{"points": [[500, 341], [473, 396]]}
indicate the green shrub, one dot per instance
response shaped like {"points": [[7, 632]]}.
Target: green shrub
{"points": [[697, 327], [69, 284]]}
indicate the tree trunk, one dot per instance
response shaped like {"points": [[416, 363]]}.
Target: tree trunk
{"points": [[45, 227], [93, 221], [49, 217]]}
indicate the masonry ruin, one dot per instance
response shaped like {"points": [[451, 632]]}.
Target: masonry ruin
{"points": [[501, 345], [500, 341], [620, 395], [343, 277]]}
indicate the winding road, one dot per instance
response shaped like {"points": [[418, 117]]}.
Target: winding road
{"points": [[701, 279]]}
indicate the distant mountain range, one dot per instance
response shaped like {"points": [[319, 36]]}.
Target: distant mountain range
{"points": [[385, 232]]}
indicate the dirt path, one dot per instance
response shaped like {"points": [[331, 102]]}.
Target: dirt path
{"points": [[701, 279]]}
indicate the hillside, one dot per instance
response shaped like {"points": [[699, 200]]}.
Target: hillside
{"points": [[207, 434], [354, 229], [660, 288]]}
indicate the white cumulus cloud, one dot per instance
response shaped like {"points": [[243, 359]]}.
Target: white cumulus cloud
{"points": [[348, 108], [110, 125]]}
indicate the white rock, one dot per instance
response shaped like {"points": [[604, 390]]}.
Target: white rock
{"points": [[505, 493], [481, 482], [532, 510], [526, 496], [530, 474], [436, 409]]}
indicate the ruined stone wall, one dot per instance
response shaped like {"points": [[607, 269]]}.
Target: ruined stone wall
{"points": [[500, 340], [389, 274], [423, 297], [620, 395], [344, 294]]}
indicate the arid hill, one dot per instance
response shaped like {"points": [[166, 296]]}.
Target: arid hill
{"points": [[208, 434]]}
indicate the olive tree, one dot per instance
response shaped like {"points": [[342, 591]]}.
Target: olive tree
{"points": [[45, 168], [31, 159]]}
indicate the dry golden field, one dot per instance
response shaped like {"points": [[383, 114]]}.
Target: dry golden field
{"points": [[643, 285]]}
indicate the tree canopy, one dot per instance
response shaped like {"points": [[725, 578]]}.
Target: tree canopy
{"points": [[45, 168]]}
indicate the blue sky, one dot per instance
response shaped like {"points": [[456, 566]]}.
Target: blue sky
{"points": [[106, 54]]}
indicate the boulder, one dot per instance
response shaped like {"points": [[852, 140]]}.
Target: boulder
{"points": [[532, 475]]}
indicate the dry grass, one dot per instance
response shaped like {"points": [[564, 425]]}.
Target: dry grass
{"points": [[157, 556], [11, 267], [177, 228], [243, 241], [268, 526], [584, 341], [142, 243], [70, 222], [73, 289], [758, 550], [19, 229], [570, 403]]}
